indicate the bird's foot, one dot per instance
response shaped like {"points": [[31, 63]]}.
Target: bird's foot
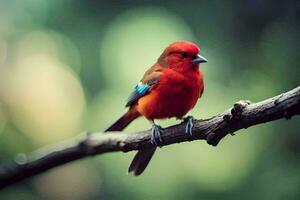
{"points": [[156, 132], [189, 124]]}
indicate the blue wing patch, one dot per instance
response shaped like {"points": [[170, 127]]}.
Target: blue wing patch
{"points": [[139, 91]]}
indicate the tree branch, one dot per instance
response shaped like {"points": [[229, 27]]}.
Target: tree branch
{"points": [[242, 115]]}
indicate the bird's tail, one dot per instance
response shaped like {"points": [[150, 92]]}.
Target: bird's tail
{"points": [[143, 156], [141, 160], [124, 120]]}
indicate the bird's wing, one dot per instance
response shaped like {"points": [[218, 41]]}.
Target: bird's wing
{"points": [[148, 82]]}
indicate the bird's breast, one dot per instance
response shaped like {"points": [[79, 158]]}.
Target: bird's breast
{"points": [[174, 96]]}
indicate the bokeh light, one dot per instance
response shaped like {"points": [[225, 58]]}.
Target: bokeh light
{"points": [[46, 100]]}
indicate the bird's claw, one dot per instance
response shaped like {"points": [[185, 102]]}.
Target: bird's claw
{"points": [[189, 125], [156, 138]]}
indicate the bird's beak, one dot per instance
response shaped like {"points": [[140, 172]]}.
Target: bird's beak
{"points": [[198, 59]]}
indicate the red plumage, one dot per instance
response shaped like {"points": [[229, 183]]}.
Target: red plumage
{"points": [[178, 86], [174, 95]]}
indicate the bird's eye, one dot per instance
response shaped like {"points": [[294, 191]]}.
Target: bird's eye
{"points": [[184, 54]]}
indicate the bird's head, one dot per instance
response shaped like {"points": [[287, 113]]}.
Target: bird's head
{"points": [[181, 56]]}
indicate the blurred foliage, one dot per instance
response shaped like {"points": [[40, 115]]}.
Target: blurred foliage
{"points": [[68, 66]]}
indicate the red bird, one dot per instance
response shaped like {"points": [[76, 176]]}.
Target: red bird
{"points": [[170, 88]]}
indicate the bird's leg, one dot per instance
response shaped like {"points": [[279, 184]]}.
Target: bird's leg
{"points": [[189, 124], [156, 131]]}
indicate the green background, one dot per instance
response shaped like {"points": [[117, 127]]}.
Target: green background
{"points": [[69, 66]]}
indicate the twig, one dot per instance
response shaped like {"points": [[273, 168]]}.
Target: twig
{"points": [[243, 115]]}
